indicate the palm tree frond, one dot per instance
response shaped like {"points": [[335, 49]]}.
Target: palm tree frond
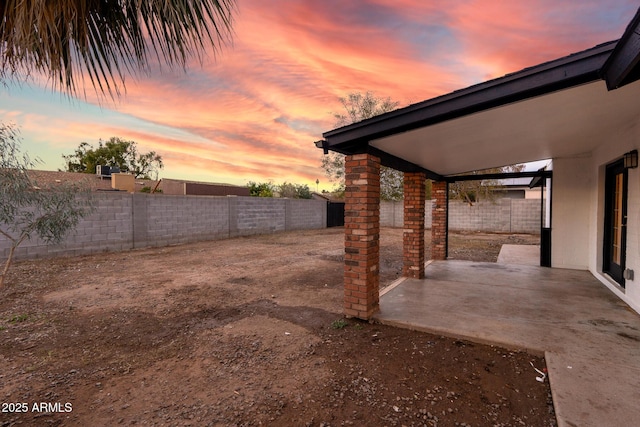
{"points": [[104, 39]]}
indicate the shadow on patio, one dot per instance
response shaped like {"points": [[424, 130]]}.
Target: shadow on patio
{"points": [[591, 339]]}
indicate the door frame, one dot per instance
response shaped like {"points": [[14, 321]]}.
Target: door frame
{"points": [[611, 268], [546, 202]]}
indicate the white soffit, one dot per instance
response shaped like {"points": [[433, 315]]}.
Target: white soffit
{"points": [[561, 124]]}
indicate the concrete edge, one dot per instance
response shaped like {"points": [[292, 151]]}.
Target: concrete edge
{"points": [[554, 398], [450, 333], [399, 280], [393, 285], [560, 421]]}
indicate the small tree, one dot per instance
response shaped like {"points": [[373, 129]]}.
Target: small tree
{"points": [[114, 152], [286, 189], [303, 191], [25, 208], [294, 191], [260, 189]]}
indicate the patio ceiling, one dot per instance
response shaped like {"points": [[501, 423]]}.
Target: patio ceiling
{"points": [[566, 123]]}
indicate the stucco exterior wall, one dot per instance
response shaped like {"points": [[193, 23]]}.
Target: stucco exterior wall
{"points": [[570, 212], [632, 290], [626, 138]]}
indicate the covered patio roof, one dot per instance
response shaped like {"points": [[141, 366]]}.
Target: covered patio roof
{"points": [[566, 108], [557, 109]]}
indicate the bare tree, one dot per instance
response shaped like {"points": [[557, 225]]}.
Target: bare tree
{"points": [[358, 107]]}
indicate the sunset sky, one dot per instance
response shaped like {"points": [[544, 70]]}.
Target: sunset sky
{"points": [[253, 112]]}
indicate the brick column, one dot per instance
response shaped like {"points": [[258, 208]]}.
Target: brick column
{"points": [[439, 226], [413, 233], [362, 235]]}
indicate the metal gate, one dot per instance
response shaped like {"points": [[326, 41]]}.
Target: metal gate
{"points": [[335, 214]]}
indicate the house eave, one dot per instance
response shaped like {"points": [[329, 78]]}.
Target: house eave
{"points": [[623, 65], [573, 70]]}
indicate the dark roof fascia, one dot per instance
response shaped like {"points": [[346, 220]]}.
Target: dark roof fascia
{"points": [[573, 70], [499, 175], [386, 159], [399, 164], [623, 65]]}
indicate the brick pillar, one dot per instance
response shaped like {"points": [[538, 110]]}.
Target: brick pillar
{"points": [[413, 234], [439, 226], [362, 235]]}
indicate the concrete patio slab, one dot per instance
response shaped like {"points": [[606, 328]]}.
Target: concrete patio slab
{"points": [[519, 254], [590, 338]]}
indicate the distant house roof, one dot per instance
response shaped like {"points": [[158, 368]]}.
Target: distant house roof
{"points": [[196, 188], [204, 189], [48, 179], [329, 197]]}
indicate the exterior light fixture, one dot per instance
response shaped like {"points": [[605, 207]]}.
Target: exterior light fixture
{"points": [[631, 159]]}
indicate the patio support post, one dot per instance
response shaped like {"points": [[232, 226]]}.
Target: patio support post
{"points": [[362, 235], [439, 220], [413, 233]]}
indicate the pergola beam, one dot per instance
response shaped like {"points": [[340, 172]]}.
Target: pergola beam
{"points": [[499, 175]]}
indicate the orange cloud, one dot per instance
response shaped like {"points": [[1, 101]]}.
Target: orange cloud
{"points": [[503, 37], [254, 113]]}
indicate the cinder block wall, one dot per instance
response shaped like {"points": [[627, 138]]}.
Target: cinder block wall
{"points": [[108, 228], [260, 215], [503, 216], [124, 221], [526, 216], [392, 214], [302, 215], [180, 219]]}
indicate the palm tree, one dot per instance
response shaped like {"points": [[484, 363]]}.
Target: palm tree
{"points": [[68, 40]]}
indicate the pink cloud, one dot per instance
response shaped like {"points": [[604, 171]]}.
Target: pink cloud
{"points": [[503, 37], [295, 60], [254, 112]]}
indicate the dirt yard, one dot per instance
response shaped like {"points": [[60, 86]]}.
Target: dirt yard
{"points": [[243, 332]]}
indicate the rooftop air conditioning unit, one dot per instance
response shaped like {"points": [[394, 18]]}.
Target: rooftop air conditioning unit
{"points": [[103, 171]]}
